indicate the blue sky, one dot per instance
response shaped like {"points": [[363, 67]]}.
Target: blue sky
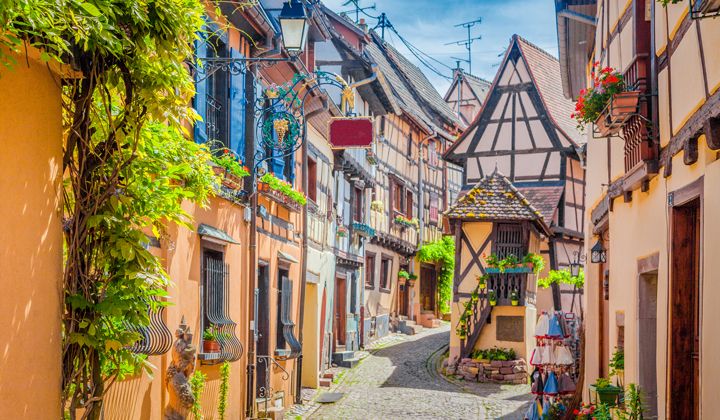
{"points": [[429, 25]]}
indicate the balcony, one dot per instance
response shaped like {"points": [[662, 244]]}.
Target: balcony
{"points": [[503, 284]]}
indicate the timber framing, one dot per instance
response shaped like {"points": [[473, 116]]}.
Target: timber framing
{"points": [[704, 121]]}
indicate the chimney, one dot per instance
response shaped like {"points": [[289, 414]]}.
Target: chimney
{"points": [[363, 25]]}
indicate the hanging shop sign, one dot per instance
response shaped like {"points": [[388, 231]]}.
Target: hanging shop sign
{"points": [[351, 133]]}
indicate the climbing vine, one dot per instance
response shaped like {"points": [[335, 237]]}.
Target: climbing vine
{"points": [[441, 251], [224, 389], [126, 163]]}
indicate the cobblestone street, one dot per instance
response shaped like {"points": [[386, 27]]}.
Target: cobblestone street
{"points": [[401, 381]]}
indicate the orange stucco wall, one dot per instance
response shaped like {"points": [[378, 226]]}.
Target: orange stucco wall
{"points": [[30, 241]]}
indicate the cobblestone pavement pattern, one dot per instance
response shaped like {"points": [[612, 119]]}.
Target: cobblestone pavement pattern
{"points": [[401, 381]]}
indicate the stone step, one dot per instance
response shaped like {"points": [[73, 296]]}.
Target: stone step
{"points": [[328, 375], [274, 413], [342, 355], [411, 329], [325, 382], [348, 363]]}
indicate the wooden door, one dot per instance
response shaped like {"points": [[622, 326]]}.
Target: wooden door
{"points": [[263, 323], [402, 299], [340, 310], [685, 301], [323, 305], [428, 288]]}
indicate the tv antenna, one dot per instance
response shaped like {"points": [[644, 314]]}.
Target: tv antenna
{"points": [[358, 9], [467, 43]]}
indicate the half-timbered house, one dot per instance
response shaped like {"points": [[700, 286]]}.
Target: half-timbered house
{"points": [[494, 217], [524, 130], [652, 190], [466, 95]]}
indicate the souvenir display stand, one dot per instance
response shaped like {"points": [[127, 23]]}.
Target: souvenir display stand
{"points": [[553, 363]]}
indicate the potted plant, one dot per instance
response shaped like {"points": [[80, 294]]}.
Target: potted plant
{"points": [[377, 206], [411, 279], [342, 231], [402, 274], [492, 297], [593, 103], [511, 261], [211, 340], [475, 296], [617, 364], [462, 329], [482, 281], [605, 391], [514, 298], [534, 262]]}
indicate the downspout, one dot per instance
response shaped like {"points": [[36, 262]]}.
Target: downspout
{"points": [[654, 80], [303, 270], [373, 77], [421, 196], [251, 186]]}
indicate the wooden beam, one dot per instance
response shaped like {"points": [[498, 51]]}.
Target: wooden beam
{"points": [[712, 133], [690, 155]]}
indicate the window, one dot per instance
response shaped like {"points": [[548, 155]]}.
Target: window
{"points": [[285, 327], [396, 195], [312, 180], [369, 270], [385, 266], [358, 204], [410, 147], [432, 155], [434, 208], [215, 310], [509, 240], [217, 98]]}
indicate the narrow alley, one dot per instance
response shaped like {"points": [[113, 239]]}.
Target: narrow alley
{"points": [[401, 381]]}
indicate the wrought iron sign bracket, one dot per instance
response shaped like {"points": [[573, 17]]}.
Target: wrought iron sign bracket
{"points": [[234, 66]]}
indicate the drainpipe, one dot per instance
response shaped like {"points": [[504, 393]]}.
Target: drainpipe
{"points": [[373, 77], [421, 196], [303, 269], [251, 186], [421, 200]]}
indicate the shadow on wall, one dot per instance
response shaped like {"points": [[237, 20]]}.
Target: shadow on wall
{"points": [[129, 399]]}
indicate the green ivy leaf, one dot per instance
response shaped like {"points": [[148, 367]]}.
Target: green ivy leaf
{"points": [[91, 9]]}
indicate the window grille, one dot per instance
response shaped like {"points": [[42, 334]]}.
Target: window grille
{"points": [[156, 338], [217, 305], [509, 239]]}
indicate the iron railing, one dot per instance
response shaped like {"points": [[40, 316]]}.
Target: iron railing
{"points": [[216, 120], [156, 337], [638, 129]]}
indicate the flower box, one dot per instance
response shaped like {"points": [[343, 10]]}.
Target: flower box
{"points": [[514, 270], [623, 106], [363, 230]]}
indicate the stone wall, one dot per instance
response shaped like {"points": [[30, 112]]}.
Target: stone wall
{"points": [[506, 372]]}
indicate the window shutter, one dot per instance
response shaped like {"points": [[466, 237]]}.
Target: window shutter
{"points": [[237, 109], [434, 210], [201, 91]]}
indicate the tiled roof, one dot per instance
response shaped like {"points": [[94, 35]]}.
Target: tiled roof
{"points": [[493, 198], [545, 69], [544, 198], [412, 90], [479, 86]]}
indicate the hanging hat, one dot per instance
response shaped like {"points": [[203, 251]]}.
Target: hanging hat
{"points": [[554, 330], [547, 355], [563, 356], [541, 328], [536, 358], [566, 384], [551, 384], [537, 382], [532, 412]]}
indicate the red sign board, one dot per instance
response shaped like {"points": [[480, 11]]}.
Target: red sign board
{"points": [[351, 133]]}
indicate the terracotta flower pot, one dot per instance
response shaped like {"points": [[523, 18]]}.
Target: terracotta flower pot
{"points": [[211, 346]]}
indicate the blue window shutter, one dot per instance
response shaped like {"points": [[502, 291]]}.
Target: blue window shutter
{"points": [[201, 88], [237, 102]]}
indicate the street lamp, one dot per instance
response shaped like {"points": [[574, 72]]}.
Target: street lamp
{"points": [[294, 26], [598, 253]]}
